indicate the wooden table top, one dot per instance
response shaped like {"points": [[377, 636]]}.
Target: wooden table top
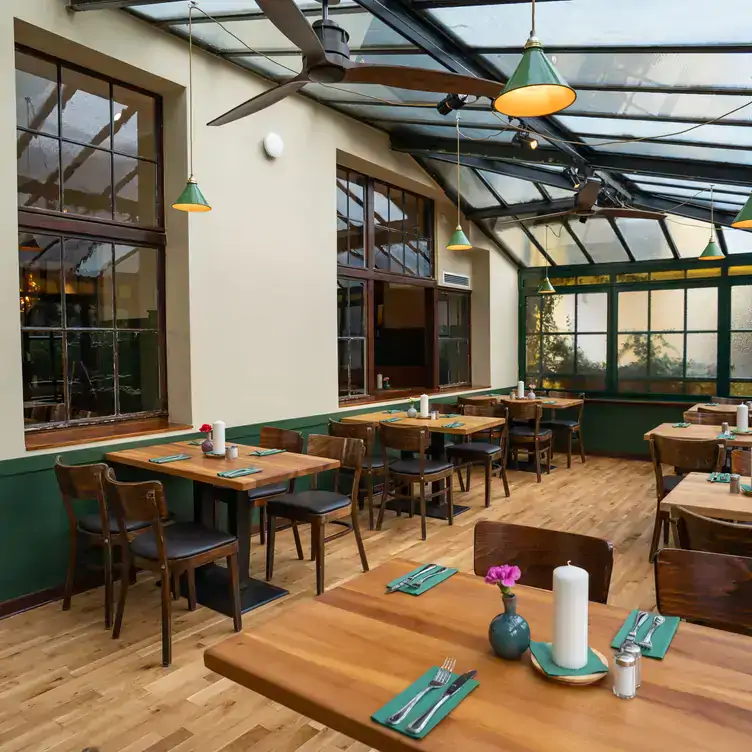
{"points": [[471, 423], [699, 495], [275, 467], [723, 409], [547, 403], [697, 432], [340, 657]]}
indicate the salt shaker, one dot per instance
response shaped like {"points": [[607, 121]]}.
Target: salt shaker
{"points": [[633, 648], [625, 676], [724, 428], [735, 485], [231, 452]]}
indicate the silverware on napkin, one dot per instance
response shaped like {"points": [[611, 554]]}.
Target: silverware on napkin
{"points": [[640, 619], [647, 643], [440, 679], [420, 723], [406, 580], [415, 584]]}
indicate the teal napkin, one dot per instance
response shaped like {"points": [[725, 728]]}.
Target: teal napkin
{"points": [[661, 637], [712, 404], [426, 585], [746, 488], [737, 430], [391, 412], [196, 442], [718, 478], [548, 402], [265, 452], [171, 458], [452, 415], [542, 653], [728, 435], [391, 420], [682, 425], [456, 424], [241, 471], [425, 703]]}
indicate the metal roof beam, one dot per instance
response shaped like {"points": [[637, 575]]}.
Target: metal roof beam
{"points": [[100, 4], [646, 201], [615, 49], [531, 208]]}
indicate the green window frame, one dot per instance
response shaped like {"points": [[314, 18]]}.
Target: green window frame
{"points": [[740, 336]]}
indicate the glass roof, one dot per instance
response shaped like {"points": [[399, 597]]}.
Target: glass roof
{"points": [[669, 81]]}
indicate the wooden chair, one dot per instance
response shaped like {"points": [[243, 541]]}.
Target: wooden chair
{"points": [[529, 435], [275, 438], [695, 532], [167, 550], [488, 450], [318, 507], [708, 417], [741, 461], [538, 551], [373, 465], [488, 399], [705, 588], [571, 425], [686, 457], [98, 529], [447, 408], [420, 470], [727, 400]]}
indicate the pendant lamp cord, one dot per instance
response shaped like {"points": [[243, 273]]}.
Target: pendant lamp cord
{"points": [[190, 86], [712, 224], [459, 194], [546, 256], [532, 31]]}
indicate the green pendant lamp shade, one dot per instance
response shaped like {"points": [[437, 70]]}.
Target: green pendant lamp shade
{"points": [[546, 288], [459, 241], [712, 252], [744, 217], [191, 199]]}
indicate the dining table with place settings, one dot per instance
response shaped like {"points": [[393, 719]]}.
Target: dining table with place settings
{"points": [[694, 432], [353, 657], [701, 495], [217, 479]]}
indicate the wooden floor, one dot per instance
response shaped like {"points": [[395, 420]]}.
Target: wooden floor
{"points": [[66, 685]]}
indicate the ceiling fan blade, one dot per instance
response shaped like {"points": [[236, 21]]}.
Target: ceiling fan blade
{"points": [[260, 102], [629, 213], [286, 16], [421, 79], [588, 194]]}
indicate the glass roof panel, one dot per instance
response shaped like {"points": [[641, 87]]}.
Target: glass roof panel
{"points": [[168, 11], [599, 238], [674, 151], [512, 190], [427, 114], [473, 191], [690, 235], [556, 192], [613, 22], [644, 238], [737, 241], [443, 131], [699, 194], [560, 245], [674, 182], [513, 237]]}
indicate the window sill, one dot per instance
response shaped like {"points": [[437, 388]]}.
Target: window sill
{"points": [[394, 395], [60, 437]]}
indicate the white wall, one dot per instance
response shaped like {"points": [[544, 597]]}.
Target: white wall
{"points": [[251, 285]]}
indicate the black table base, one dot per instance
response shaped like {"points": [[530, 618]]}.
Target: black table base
{"points": [[528, 466], [434, 511]]}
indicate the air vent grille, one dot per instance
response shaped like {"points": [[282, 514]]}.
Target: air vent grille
{"points": [[458, 280]]}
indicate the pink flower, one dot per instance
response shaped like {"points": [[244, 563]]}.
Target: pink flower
{"points": [[504, 576]]}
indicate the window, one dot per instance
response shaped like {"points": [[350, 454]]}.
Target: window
{"points": [[741, 341], [566, 342], [351, 337], [454, 338], [91, 251]]}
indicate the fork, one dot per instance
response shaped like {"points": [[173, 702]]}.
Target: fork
{"points": [[416, 584], [441, 679], [647, 643]]}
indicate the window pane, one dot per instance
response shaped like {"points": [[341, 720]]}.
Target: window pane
{"points": [[558, 353], [86, 108], [645, 238], [591, 353], [667, 310], [87, 181], [702, 308], [532, 314], [88, 283], [425, 258], [380, 203], [700, 387], [39, 280], [533, 353], [137, 287], [351, 366], [135, 117], [512, 190], [91, 374], [135, 191], [666, 354], [741, 388], [702, 355], [138, 372], [633, 356], [356, 240], [741, 307], [350, 308], [44, 399], [599, 239], [412, 257], [342, 227], [38, 171], [557, 313], [592, 312], [633, 311], [36, 93], [741, 355]]}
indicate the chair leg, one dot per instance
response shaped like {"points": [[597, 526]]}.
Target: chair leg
{"points": [[467, 477], [359, 542], [582, 446], [656, 535], [488, 482], [166, 619], [271, 534], [318, 528], [450, 501], [459, 477], [262, 524], [232, 567], [107, 555], [190, 576], [296, 537], [666, 529], [70, 577], [369, 500], [569, 449], [548, 458], [422, 509], [537, 463], [175, 586], [503, 473], [125, 570]]}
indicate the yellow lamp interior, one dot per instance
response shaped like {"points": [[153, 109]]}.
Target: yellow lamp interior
{"points": [[535, 101], [744, 224], [192, 207]]}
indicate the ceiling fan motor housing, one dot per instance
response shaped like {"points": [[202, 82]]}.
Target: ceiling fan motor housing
{"points": [[334, 40]]}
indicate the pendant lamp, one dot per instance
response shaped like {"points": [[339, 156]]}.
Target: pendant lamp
{"points": [[712, 252], [545, 287], [458, 241], [191, 199], [743, 219], [535, 88]]}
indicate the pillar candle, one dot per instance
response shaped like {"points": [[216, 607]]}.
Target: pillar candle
{"points": [[742, 417], [218, 437], [424, 406], [379, 381], [520, 390], [570, 644]]}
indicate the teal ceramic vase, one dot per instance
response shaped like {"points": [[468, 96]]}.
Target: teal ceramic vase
{"points": [[509, 633]]}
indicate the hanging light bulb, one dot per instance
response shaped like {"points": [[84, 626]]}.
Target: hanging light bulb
{"points": [[535, 88], [712, 252], [191, 199], [545, 287], [458, 241]]}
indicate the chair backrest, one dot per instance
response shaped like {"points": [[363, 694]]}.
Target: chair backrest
{"points": [[570, 395], [698, 533], [741, 462], [281, 438], [709, 417], [689, 456], [415, 440], [366, 432], [705, 588], [84, 483], [490, 411], [446, 407], [538, 551], [727, 400], [530, 410], [347, 451], [484, 399]]}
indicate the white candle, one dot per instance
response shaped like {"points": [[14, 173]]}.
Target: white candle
{"points": [[521, 390], [218, 437], [570, 644], [424, 406], [742, 417], [379, 381]]}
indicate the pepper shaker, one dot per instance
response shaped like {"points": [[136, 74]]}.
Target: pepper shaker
{"points": [[625, 676], [633, 649], [735, 485]]}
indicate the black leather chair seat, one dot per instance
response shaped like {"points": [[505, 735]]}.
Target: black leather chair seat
{"points": [[473, 449], [529, 432], [274, 489], [670, 482], [92, 523], [181, 540], [312, 502], [412, 467], [560, 423]]}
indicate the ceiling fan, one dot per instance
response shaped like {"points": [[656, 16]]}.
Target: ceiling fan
{"points": [[326, 59]]}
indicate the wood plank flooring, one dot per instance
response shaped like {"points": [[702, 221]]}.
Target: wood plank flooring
{"points": [[66, 685]]}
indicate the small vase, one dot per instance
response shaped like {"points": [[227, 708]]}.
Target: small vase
{"points": [[531, 394], [412, 412], [509, 633], [207, 447]]}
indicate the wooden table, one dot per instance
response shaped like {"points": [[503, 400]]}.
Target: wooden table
{"points": [[698, 433], [212, 588], [340, 657], [699, 495], [727, 411], [547, 403]]}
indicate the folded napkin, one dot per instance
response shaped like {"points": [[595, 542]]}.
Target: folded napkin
{"points": [[196, 442], [728, 435], [265, 452], [239, 473], [456, 424], [548, 402], [746, 488], [740, 430], [682, 425], [542, 653], [432, 582], [391, 412], [452, 415], [424, 704], [661, 637], [391, 420], [718, 478], [171, 458], [711, 404]]}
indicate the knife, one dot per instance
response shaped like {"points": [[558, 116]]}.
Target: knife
{"points": [[420, 723], [407, 580], [415, 584]]}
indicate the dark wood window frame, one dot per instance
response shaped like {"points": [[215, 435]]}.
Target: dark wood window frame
{"points": [[466, 294]]}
